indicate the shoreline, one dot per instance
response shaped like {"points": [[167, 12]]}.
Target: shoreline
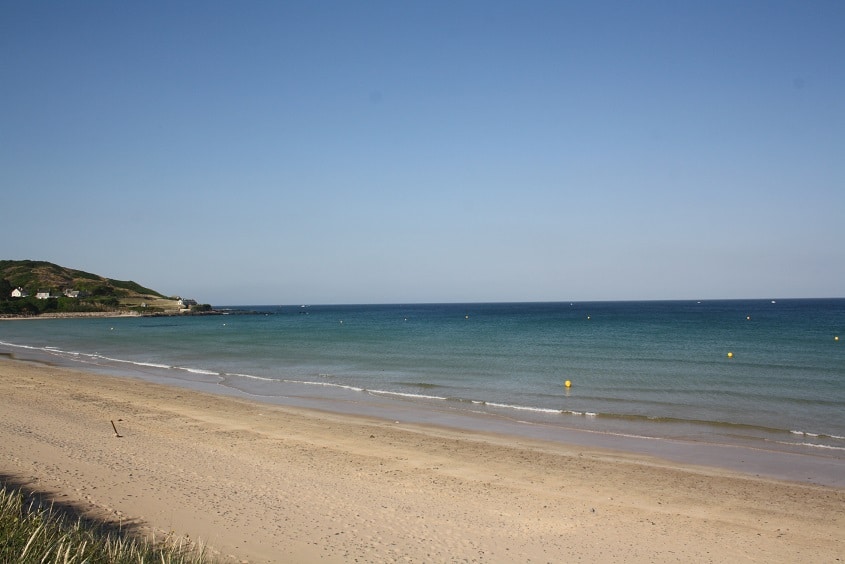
{"points": [[74, 314], [107, 314], [773, 461], [265, 483]]}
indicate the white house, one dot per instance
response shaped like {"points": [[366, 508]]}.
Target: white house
{"points": [[43, 296], [185, 302], [19, 293]]}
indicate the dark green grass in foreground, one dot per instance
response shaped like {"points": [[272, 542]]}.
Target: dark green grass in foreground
{"points": [[31, 531]]}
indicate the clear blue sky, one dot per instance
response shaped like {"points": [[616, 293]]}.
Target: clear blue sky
{"points": [[370, 152]]}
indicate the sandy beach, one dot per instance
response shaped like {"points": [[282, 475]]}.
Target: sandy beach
{"points": [[263, 483]]}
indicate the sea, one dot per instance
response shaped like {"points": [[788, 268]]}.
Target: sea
{"points": [[756, 386]]}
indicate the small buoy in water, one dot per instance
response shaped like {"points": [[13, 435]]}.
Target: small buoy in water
{"points": [[730, 355], [568, 384], [836, 338], [466, 317], [748, 317]]}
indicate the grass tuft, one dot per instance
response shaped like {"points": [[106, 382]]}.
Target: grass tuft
{"points": [[31, 532]]}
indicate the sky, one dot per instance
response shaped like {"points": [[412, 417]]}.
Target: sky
{"points": [[293, 152]]}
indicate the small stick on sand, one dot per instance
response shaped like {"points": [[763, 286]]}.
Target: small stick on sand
{"points": [[116, 434]]}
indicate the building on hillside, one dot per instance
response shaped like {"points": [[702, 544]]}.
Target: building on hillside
{"points": [[185, 302], [43, 296], [20, 293], [74, 294]]}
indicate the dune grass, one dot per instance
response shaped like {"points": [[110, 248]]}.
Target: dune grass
{"points": [[34, 531]]}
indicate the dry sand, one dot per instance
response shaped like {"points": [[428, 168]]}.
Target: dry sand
{"points": [[262, 483]]}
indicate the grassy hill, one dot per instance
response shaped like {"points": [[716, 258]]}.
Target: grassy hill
{"points": [[97, 292]]}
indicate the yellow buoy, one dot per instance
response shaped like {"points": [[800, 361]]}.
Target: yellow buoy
{"points": [[730, 355], [568, 384], [836, 338]]}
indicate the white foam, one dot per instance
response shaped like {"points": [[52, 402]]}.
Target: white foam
{"points": [[829, 447], [250, 377], [20, 346], [198, 371], [629, 436], [524, 408], [123, 361], [405, 395], [153, 364], [95, 356], [813, 445], [817, 435], [327, 384]]}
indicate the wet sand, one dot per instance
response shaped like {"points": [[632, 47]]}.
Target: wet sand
{"points": [[267, 483]]}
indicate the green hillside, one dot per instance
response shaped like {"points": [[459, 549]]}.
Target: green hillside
{"points": [[95, 293]]}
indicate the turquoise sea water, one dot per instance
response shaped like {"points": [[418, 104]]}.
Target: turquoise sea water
{"points": [[645, 371]]}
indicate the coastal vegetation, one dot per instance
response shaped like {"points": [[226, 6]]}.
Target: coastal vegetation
{"points": [[46, 288], [32, 530]]}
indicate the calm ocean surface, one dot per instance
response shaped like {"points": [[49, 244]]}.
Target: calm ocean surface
{"points": [[650, 371]]}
